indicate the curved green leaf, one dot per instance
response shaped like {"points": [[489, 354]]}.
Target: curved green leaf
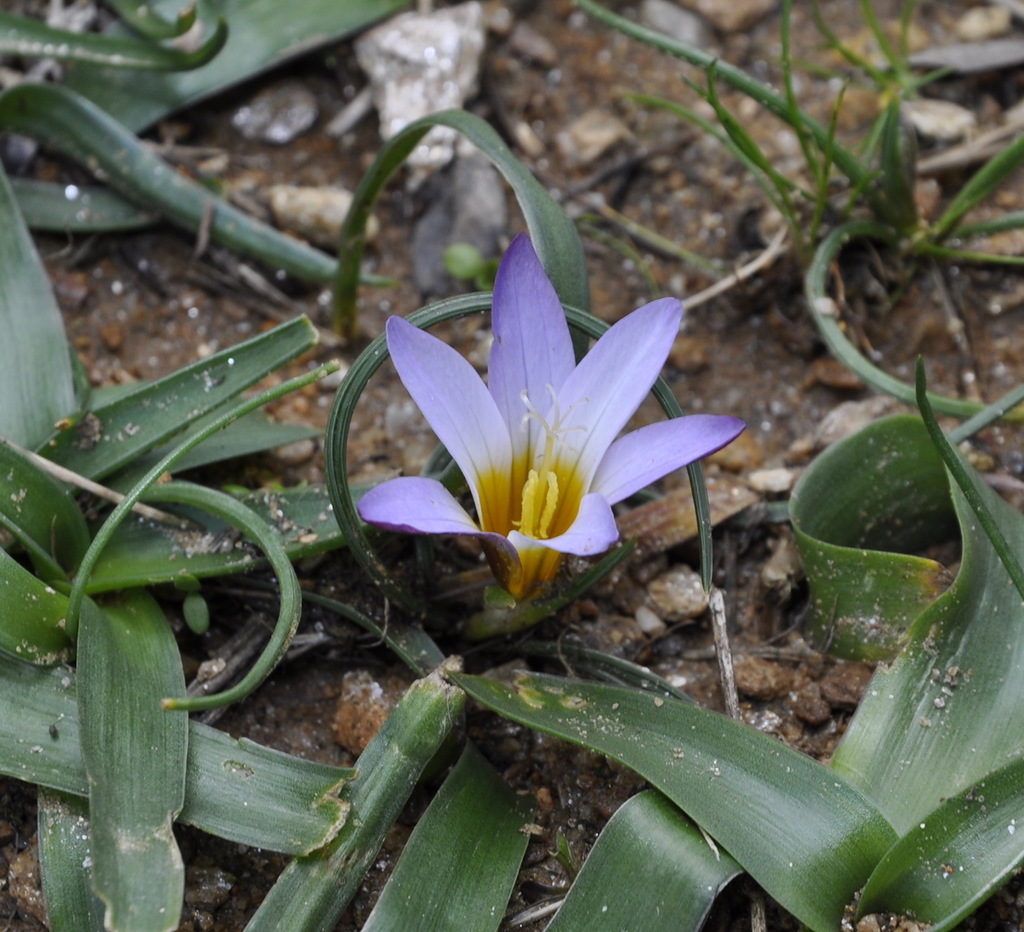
{"points": [[143, 19], [647, 837], [806, 835], [36, 381], [34, 624], [956, 856], [135, 754], [30, 38], [41, 515], [458, 868], [114, 435], [62, 208], [312, 892], [233, 788], [857, 511], [261, 34], [142, 552], [60, 119], [63, 849], [947, 711], [553, 234]]}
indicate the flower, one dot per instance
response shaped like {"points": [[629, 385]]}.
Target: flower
{"points": [[537, 445]]}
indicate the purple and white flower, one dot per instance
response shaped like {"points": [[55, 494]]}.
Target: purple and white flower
{"points": [[539, 445]]}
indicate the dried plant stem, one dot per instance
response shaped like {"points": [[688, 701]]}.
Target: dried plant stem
{"points": [[724, 652], [94, 488], [772, 252]]}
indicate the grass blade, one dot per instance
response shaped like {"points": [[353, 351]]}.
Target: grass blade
{"points": [[41, 515], [741, 786], [60, 119], [64, 848], [956, 857], [647, 837], [31, 38], [312, 892], [457, 870], [235, 789], [34, 616], [261, 34], [135, 754], [116, 434], [36, 381]]}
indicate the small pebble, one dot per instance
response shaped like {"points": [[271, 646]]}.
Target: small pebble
{"points": [[675, 22], [527, 43], [843, 686], [940, 120], [649, 622], [677, 595], [983, 22], [809, 707], [762, 679], [314, 213], [278, 114], [775, 481], [734, 16], [590, 136], [207, 887], [296, 453]]}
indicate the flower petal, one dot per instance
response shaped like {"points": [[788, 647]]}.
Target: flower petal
{"points": [[414, 505], [532, 347], [592, 532], [604, 390], [645, 455], [458, 407]]}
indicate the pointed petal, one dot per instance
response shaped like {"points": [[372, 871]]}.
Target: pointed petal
{"points": [[592, 532], [604, 390], [457, 405], [532, 348], [645, 455], [415, 506]]}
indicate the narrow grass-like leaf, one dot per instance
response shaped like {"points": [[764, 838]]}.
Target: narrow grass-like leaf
{"points": [[62, 120], [647, 837], [31, 38], [761, 93], [457, 870], [64, 850], [34, 616], [114, 435], [825, 315], [961, 474], [247, 521], [257, 796], [553, 234], [36, 381], [261, 34], [956, 857], [233, 788], [143, 552], [947, 711], [146, 21], [806, 835], [41, 515], [312, 892], [135, 754], [63, 208], [982, 183], [856, 537], [253, 433]]}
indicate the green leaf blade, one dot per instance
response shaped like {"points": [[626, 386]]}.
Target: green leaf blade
{"points": [[646, 837], [788, 820], [457, 870], [36, 381], [135, 756], [957, 856]]}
